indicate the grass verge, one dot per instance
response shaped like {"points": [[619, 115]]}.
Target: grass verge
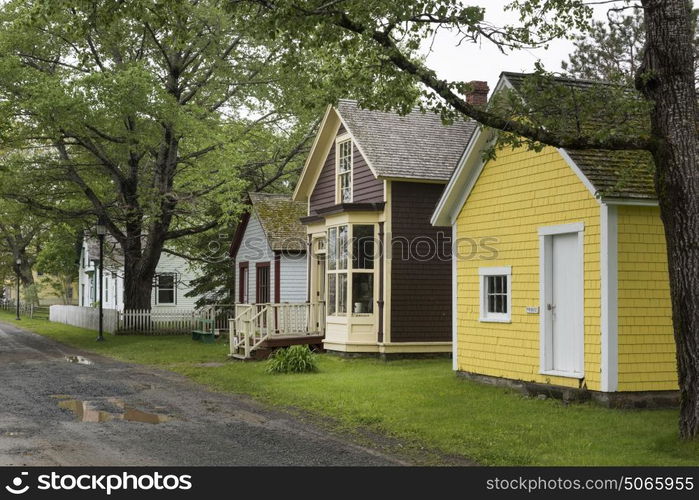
{"points": [[419, 401]]}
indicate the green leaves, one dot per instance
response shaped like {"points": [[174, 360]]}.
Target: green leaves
{"points": [[294, 359]]}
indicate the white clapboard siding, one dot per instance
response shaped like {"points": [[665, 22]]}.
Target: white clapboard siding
{"points": [[254, 248], [173, 264], [293, 277], [84, 317], [113, 283]]}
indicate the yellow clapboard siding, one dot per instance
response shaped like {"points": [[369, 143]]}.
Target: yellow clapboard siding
{"points": [[516, 194], [646, 343]]}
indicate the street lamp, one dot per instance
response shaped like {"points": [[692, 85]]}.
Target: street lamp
{"points": [[19, 263], [101, 230]]}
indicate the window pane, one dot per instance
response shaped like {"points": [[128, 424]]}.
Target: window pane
{"points": [[491, 303], [342, 247], [166, 296], [344, 169], [363, 247], [166, 281], [345, 158], [362, 293], [342, 293], [166, 288], [332, 287], [332, 248], [345, 188]]}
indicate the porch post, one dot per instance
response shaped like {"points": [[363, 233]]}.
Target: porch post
{"points": [[380, 302]]}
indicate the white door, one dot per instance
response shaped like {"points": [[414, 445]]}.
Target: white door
{"points": [[566, 303]]}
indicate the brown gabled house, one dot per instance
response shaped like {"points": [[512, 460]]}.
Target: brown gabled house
{"points": [[378, 268]]}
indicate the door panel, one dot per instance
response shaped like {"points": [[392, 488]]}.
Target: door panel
{"points": [[566, 303], [262, 287]]}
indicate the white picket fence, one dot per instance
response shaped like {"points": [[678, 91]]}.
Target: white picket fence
{"points": [[25, 309], [85, 317], [155, 322], [133, 321]]}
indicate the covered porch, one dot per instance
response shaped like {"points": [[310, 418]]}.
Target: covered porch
{"points": [[257, 329]]}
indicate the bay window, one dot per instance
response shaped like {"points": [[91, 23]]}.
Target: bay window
{"points": [[350, 269]]}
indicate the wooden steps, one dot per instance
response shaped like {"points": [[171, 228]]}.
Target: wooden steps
{"points": [[267, 347]]}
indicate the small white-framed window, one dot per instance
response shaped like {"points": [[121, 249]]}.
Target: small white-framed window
{"points": [[344, 161], [166, 293], [495, 294]]}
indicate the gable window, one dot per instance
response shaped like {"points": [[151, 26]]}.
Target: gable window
{"points": [[344, 171], [495, 294], [166, 293]]}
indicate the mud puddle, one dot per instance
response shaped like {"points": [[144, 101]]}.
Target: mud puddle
{"points": [[87, 411]]}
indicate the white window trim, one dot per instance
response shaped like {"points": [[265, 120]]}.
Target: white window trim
{"points": [[341, 139], [174, 290], [574, 227], [484, 316], [545, 326]]}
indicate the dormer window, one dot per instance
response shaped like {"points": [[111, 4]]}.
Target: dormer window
{"points": [[344, 170]]}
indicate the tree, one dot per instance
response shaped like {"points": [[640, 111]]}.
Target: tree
{"points": [[57, 258], [613, 51], [661, 118], [609, 51], [139, 113], [19, 234]]}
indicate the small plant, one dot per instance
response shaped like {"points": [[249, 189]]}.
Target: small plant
{"points": [[294, 359]]}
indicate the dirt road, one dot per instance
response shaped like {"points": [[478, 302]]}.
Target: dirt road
{"points": [[61, 406]]}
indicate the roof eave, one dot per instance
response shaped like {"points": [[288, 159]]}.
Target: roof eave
{"points": [[302, 188]]}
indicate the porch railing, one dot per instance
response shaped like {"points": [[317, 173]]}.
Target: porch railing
{"points": [[255, 323]]}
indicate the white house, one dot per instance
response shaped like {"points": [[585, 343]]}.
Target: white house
{"points": [[269, 251], [170, 284]]}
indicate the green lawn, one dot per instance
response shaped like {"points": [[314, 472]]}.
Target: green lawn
{"points": [[421, 402]]}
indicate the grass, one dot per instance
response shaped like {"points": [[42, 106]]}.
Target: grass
{"points": [[420, 402]]}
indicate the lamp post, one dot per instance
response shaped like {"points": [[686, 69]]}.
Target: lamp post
{"points": [[101, 230], [19, 263]]}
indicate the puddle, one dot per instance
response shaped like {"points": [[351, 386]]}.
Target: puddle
{"points": [[134, 415], [78, 359], [85, 411]]}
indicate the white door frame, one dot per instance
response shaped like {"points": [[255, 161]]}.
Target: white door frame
{"points": [[546, 234]]}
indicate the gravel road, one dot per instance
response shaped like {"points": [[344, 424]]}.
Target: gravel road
{"points": [[59, 412]]}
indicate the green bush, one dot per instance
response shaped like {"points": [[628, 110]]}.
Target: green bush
{"points": [[294, 359]]}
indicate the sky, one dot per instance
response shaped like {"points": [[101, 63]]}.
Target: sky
{"points": [[485, 62]]}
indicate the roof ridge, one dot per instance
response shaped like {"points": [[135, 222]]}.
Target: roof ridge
{"points": [[562, 77], [414, 109]]}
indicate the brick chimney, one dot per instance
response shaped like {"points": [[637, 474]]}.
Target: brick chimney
{"points": [[479, 95]]}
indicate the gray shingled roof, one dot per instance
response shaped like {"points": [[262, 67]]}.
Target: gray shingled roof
{"points": [[617, 174], [415, 146], [280, 220], [614, 174]]}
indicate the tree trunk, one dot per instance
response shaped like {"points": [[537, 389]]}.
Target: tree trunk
{"points": [[24, 269], [139, 271], [667, 78]]}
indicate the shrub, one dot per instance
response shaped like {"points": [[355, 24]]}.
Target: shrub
{"points": [[294, 359]]}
